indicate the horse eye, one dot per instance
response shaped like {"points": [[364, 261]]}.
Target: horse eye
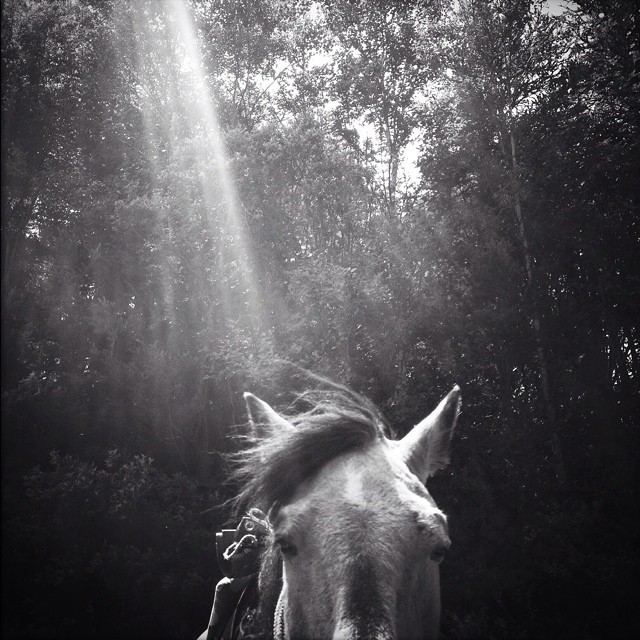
{"points": [[437, 555], [287, 548]]}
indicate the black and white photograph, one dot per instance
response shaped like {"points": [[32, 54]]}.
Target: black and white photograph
{"points": [[320, 320]]}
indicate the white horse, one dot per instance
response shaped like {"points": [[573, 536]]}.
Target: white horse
{"points": [[359, 536]]}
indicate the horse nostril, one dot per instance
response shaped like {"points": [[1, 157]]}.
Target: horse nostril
{"points": [[437, 555]]}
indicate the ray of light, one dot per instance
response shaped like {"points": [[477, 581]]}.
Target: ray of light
{"points": [[235, 243], [178, 109]]}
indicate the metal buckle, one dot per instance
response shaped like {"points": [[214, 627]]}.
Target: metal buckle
{"points": [[237, 550]]}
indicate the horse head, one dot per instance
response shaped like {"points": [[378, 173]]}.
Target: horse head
{"points": [[359, 535]]}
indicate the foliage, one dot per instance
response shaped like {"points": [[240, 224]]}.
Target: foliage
{"points": [[196, 194], [117, 546]]}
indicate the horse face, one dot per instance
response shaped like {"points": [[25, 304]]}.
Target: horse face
{"points": [[361, 542], [362, 539]]}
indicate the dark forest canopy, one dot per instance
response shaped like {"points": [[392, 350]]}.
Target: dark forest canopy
{"points": [[397, 195]]}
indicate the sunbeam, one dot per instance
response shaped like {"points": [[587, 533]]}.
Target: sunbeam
{"points": [[188, 116]]}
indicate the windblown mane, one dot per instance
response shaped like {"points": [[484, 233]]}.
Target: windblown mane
{"points": [[335, 422], [271, 468]]}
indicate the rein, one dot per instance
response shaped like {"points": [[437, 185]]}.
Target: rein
{"points": [[278, 619]]}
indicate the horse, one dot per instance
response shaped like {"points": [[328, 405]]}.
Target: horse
{"points": [[355, 539]]}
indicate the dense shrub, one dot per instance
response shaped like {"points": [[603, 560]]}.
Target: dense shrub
{"points": [[121, 549]]}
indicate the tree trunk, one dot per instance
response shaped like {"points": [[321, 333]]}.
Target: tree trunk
{"points": [[392, 168], [541, 356]]}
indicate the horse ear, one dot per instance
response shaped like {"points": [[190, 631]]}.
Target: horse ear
{"points": [[425, 449], [263, 418]]}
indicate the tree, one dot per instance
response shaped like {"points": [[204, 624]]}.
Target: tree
{"points": [[196, 195], [509, 55], [383, 63]]}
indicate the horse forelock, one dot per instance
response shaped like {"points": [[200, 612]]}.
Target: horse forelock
{"points": [[272, 467]]}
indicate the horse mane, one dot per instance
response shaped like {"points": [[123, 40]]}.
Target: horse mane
{"points": [[271, 467], [335, 422]]}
